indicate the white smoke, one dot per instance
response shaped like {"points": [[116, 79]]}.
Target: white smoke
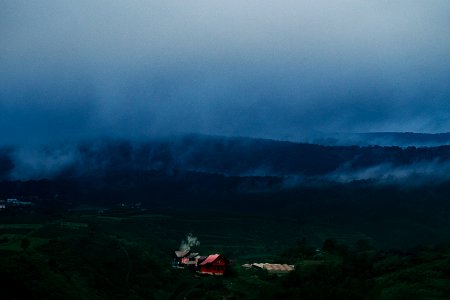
{"points": [[190, 241]]}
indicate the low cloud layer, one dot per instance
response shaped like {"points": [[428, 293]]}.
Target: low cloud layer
{"points": [[433, 171], [260, 164], [284, 69]]}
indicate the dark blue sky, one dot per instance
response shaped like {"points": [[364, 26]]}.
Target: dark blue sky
{"points": [[277, 69]]}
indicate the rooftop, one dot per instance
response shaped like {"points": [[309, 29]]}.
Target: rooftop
{"points": [[211, 258]]}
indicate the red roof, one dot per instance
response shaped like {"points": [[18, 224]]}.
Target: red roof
{"points": [[211, 258]]}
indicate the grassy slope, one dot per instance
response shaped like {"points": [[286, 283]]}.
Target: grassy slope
{"points": [[129, 258]]}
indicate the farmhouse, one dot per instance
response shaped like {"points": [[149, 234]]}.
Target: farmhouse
{"points": [[214, 264]]}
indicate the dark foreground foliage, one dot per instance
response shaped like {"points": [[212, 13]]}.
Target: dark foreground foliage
{"points": [[129, 258]]}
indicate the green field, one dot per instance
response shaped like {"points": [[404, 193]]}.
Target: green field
{"points": [[87, 256]]}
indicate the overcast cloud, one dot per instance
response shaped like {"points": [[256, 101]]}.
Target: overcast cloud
{"points": [[277, 69]]}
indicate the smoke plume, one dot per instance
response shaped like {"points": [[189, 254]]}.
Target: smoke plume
{"points": [[189, 242]]}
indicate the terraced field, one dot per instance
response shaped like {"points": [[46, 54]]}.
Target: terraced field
{"points": [[11, 236]]}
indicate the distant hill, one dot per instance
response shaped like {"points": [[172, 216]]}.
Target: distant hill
{"points": [[201, 173], [227, 156], [402, 139]]}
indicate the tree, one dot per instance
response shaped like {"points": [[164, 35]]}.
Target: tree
{"points": [[25, 244], [330, 245]]}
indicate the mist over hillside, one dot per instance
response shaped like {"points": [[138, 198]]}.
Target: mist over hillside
{"points": [[374, 188], [227, 156], [401, 139], [230, 173]]}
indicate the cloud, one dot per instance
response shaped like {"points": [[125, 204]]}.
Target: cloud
{"points": [[6, 162], [284, 163], [259, 68], [432, 171], [47, 162]]}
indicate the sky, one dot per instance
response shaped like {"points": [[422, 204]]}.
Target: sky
{"points": [[276, 69]]}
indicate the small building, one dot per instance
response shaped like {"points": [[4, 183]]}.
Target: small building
{"points": [[190, 261], [179, 257], [271, 268], [214, 264], [15, 205]]}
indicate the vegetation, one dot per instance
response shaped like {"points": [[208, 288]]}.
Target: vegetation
{"points": [[129, 258], [107, 228]]}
